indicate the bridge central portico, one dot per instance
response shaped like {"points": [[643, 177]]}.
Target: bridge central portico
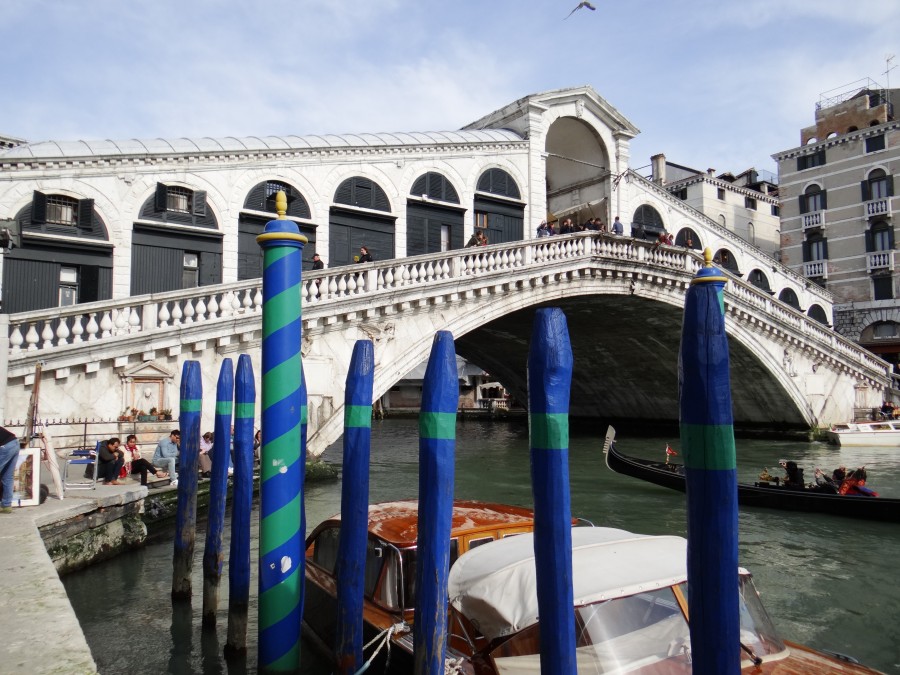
{"points": [[623, 299]]}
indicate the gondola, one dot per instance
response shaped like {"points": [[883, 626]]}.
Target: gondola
{"points": [[762, 494]]}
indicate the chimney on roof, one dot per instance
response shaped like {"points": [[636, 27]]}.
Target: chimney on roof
{"points": [[658, 169], [710, 172]]}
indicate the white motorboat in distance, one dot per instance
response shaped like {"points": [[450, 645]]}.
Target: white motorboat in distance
{"points": [[882, 434]]}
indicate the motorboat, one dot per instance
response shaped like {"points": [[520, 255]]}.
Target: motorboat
{"points": [[631, 610], [766, 494], [389, 594], [879, 433]]}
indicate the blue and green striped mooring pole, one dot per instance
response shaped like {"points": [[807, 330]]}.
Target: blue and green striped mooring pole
{"points": [[281, 493], [351, 562], [213, 552], [549, 383], [437, 445], [188, 457], [707, 444], [241, 502]]}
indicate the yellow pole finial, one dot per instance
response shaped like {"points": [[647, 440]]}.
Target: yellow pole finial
{"points": [[281, 204], [707, 257]]}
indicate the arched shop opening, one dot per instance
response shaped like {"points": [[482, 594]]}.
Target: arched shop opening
{"points": [[64, 258], [577, 172], [259, 209], [646, 223], [176, 242], [434, 217], [499, 211], [359, 217]]}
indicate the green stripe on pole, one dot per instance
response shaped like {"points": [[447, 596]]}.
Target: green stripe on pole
{"points": [[224, 407], [286, 663], [282, 307], [550, 431], [440, 426], [707, 446], [358, 416], [280, 603], [190, 405], [284, 518], [282, 380], [245, 410]]}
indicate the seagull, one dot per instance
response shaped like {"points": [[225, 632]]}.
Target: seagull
{"points": [[585, 3]]}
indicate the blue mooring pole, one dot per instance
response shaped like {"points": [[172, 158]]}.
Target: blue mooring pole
{"points": [[304, 425], [710, 462], [351, 562], [549, 383], [241, 502], [437, 445], [213, 553], [281, 493], [189, 452]]}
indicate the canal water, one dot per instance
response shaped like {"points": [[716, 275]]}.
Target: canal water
{"points": [[828, 582]]}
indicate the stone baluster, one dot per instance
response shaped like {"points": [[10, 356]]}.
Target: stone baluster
{"points": [[62, 332], [164, 316], [413, 274], [32, 337], [227, 304], [429, 271], [93, 328], [247, 300], [333, 287], [77, 328], [351, 284], [120, 321], [106, 325], [235, 303], [176, 313], [379, 278], [342, 286], [46, 336], [444, 265], [257, 299], [201, 310], [134, 321], [389, 277], [16, 340], [457, 266], [213, 307], [189, 311]]}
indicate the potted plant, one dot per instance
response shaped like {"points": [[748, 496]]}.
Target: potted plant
{"points": [[166, 414], [142, 416], [153, 414]]}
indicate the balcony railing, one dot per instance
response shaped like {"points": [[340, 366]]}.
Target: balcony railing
{"points": [[880, 207], [814, 219], [818, 269], [880, 261]]}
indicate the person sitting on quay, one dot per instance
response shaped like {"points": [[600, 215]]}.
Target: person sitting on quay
{"points": [[166, 454], [111, 461], [205, 459], [138, 463]]}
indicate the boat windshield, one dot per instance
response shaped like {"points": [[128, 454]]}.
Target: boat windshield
{"points": [[618, 636], [630, 633]]}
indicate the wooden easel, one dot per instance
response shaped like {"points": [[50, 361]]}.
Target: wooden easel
{"points": [[35, 430]]}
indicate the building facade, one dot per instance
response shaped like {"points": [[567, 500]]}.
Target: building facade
{"points": [[837, 196], [97, 220]]}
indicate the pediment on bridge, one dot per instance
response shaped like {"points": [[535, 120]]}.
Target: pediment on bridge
{"points": [[148, 370]]}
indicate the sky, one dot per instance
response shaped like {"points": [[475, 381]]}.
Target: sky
{"points": [[710, 83]]}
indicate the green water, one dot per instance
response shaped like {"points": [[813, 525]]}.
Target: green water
{"points": [[828, 582]]}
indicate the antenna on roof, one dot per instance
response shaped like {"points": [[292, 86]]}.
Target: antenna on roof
{"points": [[887, 73]]}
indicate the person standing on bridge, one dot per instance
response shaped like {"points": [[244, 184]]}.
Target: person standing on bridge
{"points": [[364, 255], [617, 227]]}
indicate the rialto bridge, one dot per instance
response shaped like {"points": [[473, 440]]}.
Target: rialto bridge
{"points": [[623, 298]]}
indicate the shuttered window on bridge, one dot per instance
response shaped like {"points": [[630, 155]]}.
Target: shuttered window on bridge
{"points": [[157, 258], [425, 224], [504, 220], [349, 229], [362, 193], [433, 185]]}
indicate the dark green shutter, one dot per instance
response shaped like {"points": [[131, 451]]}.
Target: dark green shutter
{"points": [[805, 251], [864, 190], [824, 201], [890, 185], [199, 203], [39, 208], [803, 208], [85, 214], [161, 200], [870, 241], [825, 249]]}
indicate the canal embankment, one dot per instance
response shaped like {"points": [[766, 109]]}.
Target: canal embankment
{"points": [[40, 543]]}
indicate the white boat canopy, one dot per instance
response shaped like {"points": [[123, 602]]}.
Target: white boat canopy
{"points": [[494, 585]]}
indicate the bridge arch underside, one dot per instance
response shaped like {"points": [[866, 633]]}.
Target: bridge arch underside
{"points": [[625, 373]]}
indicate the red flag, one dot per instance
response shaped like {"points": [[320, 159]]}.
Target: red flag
{"points": [[669, 450]]}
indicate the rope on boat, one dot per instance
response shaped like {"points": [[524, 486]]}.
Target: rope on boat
{"points": [[453, 666], [385, 637]]}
